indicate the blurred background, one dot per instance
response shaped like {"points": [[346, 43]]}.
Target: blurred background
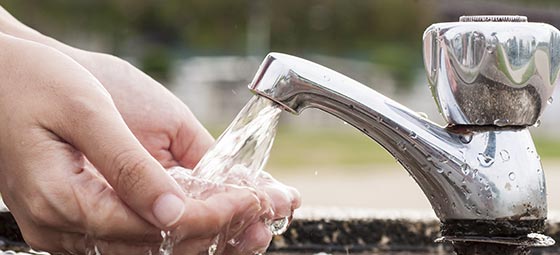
{"points": [[206, 52]]}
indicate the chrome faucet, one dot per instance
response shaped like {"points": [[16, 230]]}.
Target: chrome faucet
{"points": [[492, 77]]}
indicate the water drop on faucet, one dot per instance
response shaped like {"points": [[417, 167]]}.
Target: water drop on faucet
{"points": [[485, 160], [511, 176], [466, 138], [504, 154], [501, 122], [550, 100], [475, 173], [466, 169], [413, 135], [537, 124]]}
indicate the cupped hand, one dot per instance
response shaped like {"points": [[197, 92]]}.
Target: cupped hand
{"points": [[171, 133], [55, 118], [163, 125]]}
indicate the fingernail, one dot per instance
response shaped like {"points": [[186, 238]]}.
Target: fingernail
{"points": [[168, 209]]}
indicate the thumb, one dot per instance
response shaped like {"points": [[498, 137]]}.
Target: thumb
{"points": [[96, 128]]}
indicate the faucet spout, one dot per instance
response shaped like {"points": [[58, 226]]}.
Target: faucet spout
{"points": [[476, 174]]}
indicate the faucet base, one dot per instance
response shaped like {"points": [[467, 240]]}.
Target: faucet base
{"points": [[515, 237], [491, 228]]}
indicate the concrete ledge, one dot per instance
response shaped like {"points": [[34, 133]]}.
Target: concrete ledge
{"points": [[341, 231]]}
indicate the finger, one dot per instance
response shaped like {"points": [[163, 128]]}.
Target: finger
{"points": [[256, 239], [212, 216], [87, 204], [191, 141], [94, 127], [106, 216], [284, 199]]}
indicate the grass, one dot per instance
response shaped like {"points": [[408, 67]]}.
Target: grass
{"points": [[327, 148]]}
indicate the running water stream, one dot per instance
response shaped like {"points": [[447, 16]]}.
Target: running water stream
{"points": [[237, 158]]}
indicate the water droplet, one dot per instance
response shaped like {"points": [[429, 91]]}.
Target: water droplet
{"points": [[413, 135], [504, 154], [538, 157], [466, 138], [501, 122], [538, 170], [478, 212], [166, 247], [478, 122], [537, 124], [511, 176], [279, 226], [401, 145], [475, 173], [449, 173], [326, 77], [490, 48], [444, 161], [439, 170], [466, 169], [212, 249], [429, 158], [487, 187], [453, 205], [485, 160], [550, 100]]}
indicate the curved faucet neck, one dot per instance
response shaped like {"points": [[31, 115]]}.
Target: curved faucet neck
{"points": [[458, 170]]}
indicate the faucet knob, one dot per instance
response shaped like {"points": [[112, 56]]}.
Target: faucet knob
{"points": [[492, 70]]}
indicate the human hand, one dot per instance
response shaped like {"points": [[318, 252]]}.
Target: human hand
{"points": [[55, 118], [163, 124], [171, 133]]}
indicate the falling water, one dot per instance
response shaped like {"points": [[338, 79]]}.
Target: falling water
{"points": [[237, 157]]}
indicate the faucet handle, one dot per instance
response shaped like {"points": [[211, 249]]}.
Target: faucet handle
{"points": [[492, 70]]}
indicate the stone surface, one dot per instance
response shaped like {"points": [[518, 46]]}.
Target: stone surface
{"points": [[341, 231]]}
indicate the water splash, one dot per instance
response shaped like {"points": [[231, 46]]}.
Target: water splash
{"points": [[237, 157], [246, 142], [166, 247]]}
